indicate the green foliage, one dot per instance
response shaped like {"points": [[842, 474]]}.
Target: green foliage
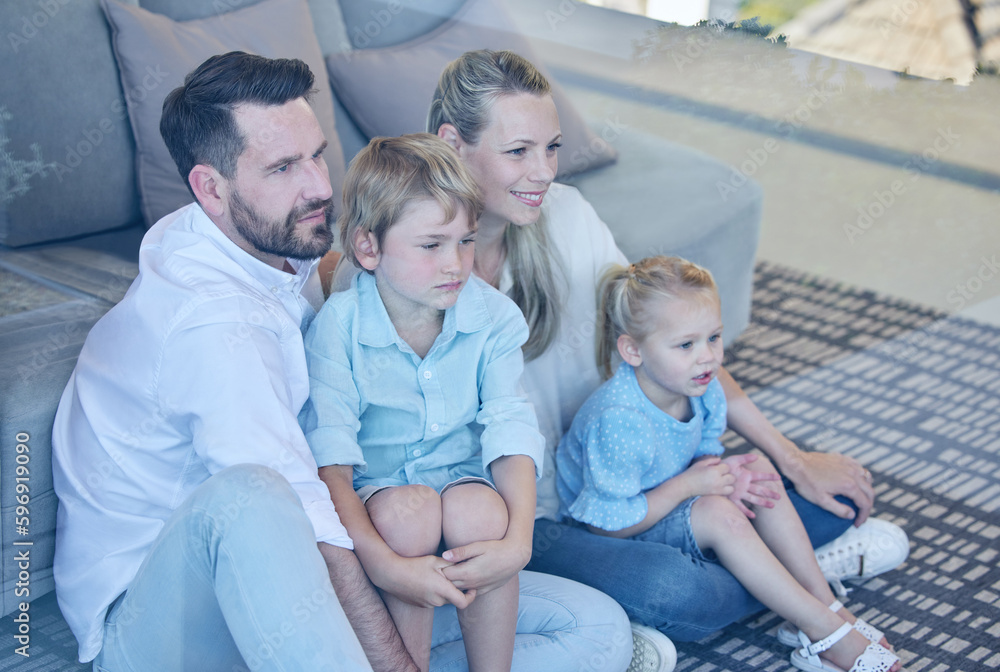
{"points": [[751, 26], [771, 12]]}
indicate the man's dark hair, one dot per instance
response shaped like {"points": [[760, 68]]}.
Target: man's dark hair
{"points": [[197, 123]]}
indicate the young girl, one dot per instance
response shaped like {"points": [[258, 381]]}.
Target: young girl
{"points": [[641, 460], [415, 403]]}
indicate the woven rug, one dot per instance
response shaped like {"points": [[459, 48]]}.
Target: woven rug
{"points": [[913, 395], [908, 392]]}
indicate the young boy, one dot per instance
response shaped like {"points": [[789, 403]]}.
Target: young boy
{"points": [[415, 402]]}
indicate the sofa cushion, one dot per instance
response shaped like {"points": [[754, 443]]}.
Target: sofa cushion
{"points": [[326, 15], [64, 134], [684, 215], [38, 349], [155, 53], [408, 73], [384, 23]]}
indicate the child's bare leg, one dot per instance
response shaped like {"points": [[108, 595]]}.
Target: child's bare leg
{"points": [[408, 518], [782, 531], [719, 526], [475, 512]]}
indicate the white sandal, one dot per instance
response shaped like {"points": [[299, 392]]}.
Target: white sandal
{"points": [[875, 657], [788, 634]]}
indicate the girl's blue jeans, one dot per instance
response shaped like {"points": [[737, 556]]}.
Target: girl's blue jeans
{"points": [[235, 582], [659, 585]]}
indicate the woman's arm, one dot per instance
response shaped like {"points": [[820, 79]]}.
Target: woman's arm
{"points": [[818, 477]]}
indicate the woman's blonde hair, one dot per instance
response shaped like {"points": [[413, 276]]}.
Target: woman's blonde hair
{"points": [[466, 92], [625, 292], [390, 173]]}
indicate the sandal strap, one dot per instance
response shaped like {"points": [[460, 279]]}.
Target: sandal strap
{"points": [[875, 658], [870, 632], [836, 606], [822, 645]]}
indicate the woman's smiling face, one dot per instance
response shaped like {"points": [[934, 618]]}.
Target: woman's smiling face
{"points": [[514, 161]]}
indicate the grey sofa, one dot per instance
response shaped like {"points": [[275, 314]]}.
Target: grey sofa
{"points": [[75, 198]]}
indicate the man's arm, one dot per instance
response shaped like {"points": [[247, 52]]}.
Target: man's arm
{"points": [[818, 477], [366, 611]]}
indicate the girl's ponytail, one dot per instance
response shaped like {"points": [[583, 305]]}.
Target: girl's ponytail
{"points": [[625, 291]]}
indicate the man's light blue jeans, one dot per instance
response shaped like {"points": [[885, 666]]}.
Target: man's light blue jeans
{"points": [[658, 585], [236, 583]]}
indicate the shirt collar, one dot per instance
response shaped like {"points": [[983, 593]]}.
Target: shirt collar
{"points": [[268, 276], [469, 314]]}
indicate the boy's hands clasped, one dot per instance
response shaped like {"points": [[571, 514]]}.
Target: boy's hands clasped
{"points": [[729, 477], [421, 581], [485, 565]]}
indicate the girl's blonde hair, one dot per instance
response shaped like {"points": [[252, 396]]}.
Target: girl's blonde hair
{"points": [[625, 292], [466, 92], [390, 173]]}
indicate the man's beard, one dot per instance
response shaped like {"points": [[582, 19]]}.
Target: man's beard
{"points": [[279, 238]]}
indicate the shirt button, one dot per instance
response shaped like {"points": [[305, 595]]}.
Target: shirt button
{"points": [[427, 375], [434, 427], [417, 453]]}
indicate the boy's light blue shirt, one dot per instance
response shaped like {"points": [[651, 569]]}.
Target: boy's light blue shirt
{"points": [[621, 444], [399, 419]]}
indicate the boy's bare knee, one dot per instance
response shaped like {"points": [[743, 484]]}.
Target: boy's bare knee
{"points": [[472, 512], [408, 518]]}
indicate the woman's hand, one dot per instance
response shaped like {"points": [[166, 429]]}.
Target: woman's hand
{"points": [[745, 488], [819, 477]]}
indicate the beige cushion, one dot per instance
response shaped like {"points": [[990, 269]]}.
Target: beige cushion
{"points": [[155, 53], [387, 91]]}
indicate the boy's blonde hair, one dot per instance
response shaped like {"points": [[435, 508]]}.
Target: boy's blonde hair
{"points": [[625, 292], [466, 92], [390, 173]]}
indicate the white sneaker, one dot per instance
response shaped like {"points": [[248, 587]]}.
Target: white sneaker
{"points": [[652, 651], [863, 552]]}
